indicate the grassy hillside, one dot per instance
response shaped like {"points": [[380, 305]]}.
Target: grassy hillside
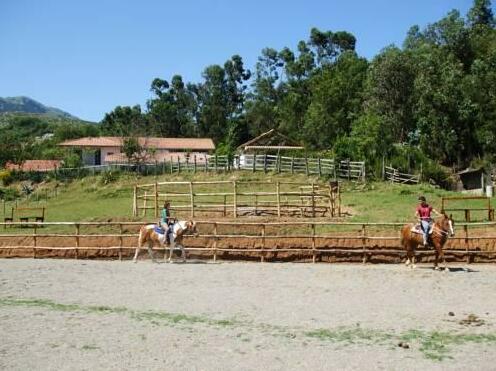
{"points": [[28, 105], [89, 199]]}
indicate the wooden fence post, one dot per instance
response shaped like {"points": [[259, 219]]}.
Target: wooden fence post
{"points": [[235, 206], [254, 164], [364, 259], [35, 244], [349, 169], [144, 203], [135, 201], [292, 165], [215, 242], [465, 229], [320, 167], [206, 163], [278, 163], [76, 252], [313, 243], [178, 165], [313, 200], [156, 199], [192, 198], [278, 199], [306, 165], [194, 164], [262, 253], [121, 232]]}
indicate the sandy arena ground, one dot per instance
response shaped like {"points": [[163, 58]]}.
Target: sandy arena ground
{"points": [[87, 315]]}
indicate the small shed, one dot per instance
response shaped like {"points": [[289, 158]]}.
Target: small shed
{"points": [[472, 180], [269, 142]]}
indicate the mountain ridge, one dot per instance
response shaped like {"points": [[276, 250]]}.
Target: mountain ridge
{"points": [[23, 104]]}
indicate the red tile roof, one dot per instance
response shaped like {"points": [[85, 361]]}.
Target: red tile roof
{"points": [[34, 165], [147, 142]]}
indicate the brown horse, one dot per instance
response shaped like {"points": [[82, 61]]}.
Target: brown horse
{"points": [[148, 235], [442, 228]]}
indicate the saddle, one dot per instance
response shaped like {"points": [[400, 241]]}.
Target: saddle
{"points": [[159, 230], [416, 228]]}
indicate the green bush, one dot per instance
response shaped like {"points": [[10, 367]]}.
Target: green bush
{"points": [[109, 177]]}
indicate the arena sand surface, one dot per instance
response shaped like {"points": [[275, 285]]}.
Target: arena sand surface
{"points": [[87, 315]]}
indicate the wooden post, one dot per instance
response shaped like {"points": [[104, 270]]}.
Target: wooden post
{"points": [[278, 163], [262, 253], [192, 197], [320, 167], [178, 165], [313, 243], [278, 199], [235, 206], [187, 162], [135, 201], [364, 259], [292, 165], [225, 201], [349, 169], [34, 241], [313, 200], [76, 252], [156, 199], [215, 242], [194, 164], [306, 165], [215, 163], [334, 169], [465, 229], [170, 164], [120, 241], [254, 165], [144, 203]]}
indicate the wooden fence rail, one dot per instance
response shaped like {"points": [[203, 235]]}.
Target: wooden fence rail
{"points": [[270, 199], [260, 234]]}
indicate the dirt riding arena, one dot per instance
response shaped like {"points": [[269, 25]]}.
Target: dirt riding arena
{"points": [[87, 314]]}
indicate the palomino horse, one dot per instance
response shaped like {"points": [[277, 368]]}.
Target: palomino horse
{"points": [[442, 228], [149, 235]]}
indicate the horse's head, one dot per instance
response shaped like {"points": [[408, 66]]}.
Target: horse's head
{"points": [[191, 227], [447, 224]]}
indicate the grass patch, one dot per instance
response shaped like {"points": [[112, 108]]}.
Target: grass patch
{"points": [[434, 345]]}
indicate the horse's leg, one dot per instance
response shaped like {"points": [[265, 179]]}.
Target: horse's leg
{"points": [[436, 257], [443, 258], [135, 259], [150, 252], [171, 249], [183, 253]]}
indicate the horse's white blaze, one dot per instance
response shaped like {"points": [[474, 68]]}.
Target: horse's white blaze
{"points": [[452, 232]]}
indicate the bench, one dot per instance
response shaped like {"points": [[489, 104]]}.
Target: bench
{"points": [[8, 218], [24, 214]]}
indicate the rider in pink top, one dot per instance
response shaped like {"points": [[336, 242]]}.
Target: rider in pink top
{"points": [[423, 212]]}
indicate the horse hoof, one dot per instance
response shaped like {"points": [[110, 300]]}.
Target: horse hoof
{"points": [[436, 268]]}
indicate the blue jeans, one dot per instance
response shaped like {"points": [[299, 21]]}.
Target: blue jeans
{"points": [[426, 225]]}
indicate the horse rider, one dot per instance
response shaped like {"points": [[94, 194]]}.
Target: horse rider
{"points": [[166, 221], [423, 213]]}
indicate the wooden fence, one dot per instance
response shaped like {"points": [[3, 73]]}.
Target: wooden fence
{"points": [[395, 176], [364, 244], [235, 198]]}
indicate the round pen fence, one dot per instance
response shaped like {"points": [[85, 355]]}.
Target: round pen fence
{"points": [[274, 241], [238, 198]]}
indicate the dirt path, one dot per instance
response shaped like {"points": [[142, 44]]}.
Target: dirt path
{"points": [[82, 315]]}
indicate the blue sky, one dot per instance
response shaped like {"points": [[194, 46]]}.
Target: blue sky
{"points": [[86, 57]]}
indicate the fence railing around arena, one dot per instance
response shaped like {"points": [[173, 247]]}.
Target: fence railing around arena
{"points": [[362, 248], [272, 198]]}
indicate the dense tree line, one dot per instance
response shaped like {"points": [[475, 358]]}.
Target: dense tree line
{"points": [[435, 95]]}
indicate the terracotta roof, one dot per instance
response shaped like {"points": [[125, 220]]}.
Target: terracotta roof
{"points": [[35, 165], [148, 142]]}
